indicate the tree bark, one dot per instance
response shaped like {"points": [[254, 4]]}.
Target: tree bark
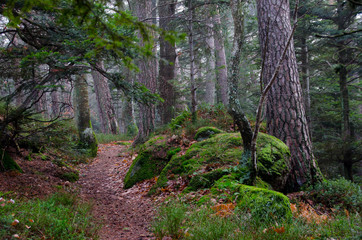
{"points": [[221, 65], [192, 64], [167, 63], [306, 79], [146, 76], [210, 66], [81, 103], [82, 114], [107, 114], [285, 112]]}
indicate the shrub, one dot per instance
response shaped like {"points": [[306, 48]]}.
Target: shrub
{"points": [[339, 193]]}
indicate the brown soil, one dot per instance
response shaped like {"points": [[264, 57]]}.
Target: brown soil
{"points": [[125, 214]]}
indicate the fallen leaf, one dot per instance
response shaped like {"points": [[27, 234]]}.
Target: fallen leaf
{"points": [[16, 236], [279, 230], [31, 220], [16, 221]]}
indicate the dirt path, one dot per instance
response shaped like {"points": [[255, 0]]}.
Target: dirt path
{"points": [[125, 214]]}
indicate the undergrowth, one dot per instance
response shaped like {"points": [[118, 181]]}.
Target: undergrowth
{"points": [[186, 221], [60, 216]]}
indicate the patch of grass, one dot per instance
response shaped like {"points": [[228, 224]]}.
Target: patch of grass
{"points": [[60, 216], [103, 138], [186, 221]]}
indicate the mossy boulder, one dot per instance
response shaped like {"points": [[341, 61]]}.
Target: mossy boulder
{"points": [[152, 158], [89, 142], [224, 151], [206, 132], [7, 163], [263, 204]]}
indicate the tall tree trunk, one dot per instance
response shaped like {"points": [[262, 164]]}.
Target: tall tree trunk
{"points": [[285, 112], [221, 65], [146, 76], [106, 110], [82, 115], [167, 63], [192, 64], [306, 78], [210, 65]]}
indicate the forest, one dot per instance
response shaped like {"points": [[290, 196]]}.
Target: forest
{"points": [[180, 119]]}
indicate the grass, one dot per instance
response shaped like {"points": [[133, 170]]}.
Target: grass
{"points": [[103, 138], [185, 221], [60, 216]]}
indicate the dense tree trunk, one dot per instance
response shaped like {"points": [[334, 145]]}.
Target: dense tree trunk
{"points": [[106, 110], [167, 63], [146, 76], [285, 112], [221, 65], [192, 64], [305, 78], [210, 65]]}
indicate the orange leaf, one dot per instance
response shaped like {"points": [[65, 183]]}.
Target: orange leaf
{"points": [[279, 230], [31, 220]]}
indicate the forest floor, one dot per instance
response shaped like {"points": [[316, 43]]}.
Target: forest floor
{"points": [[124, 213]]}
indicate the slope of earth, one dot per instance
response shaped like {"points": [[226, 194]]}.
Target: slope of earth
{"points": [[124, 214]]}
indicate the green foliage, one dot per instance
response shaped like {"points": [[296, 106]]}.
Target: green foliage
{"points": [[339, 193], [60, 216], [71, 176], [180, 120], [179, 220]]}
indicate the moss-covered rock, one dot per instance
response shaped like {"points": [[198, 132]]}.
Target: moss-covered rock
{"points": [[153, 157], [89, 142], [265, 205], [206, 132], [224, 150], [206, 180], [8, 163]]}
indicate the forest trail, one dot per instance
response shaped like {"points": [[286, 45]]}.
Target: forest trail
{"points": [[125, 214]]}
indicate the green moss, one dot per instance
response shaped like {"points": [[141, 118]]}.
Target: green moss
{"points": [[273, 160], [153, 157], [225, 150], [262, 184], [206, 180], [178, 122], [266, 205], [206, 132], [71, 176], [7, 163]]}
